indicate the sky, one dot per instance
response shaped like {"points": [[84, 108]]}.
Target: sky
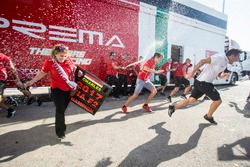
{"points": [[238, 11]]}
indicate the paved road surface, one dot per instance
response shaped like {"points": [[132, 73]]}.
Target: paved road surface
{"points": [[111, 138]]}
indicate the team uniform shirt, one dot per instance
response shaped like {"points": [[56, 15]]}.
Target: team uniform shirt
{"points": [[110, 68], [136, 68], [122, 63], [144, 75], [175, 65], [179, 70], [166, 68], [56, 80], [4, 64], [211, 71]]}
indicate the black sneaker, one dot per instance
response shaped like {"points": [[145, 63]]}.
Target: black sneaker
{"points": [[31, 100], [248, 99], [183, 96], [163, 94], [39, 102], [11, 113], [60, 137], [171, 110], [211, 120], [169, 99]]}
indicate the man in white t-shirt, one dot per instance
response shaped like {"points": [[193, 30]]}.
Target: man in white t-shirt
{"points": [[214, 67]]}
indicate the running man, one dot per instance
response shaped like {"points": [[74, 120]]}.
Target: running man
{"points": [[112, 77], [163, 76], [6, 65], [180, 79], [214, 66], [143, 81]]}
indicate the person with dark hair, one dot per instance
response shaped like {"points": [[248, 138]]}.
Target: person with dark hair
{"points": [[133, 73], [180, 79], [112, 75], [163, 76], [123, 75], [62, 73], [5, 65], [214, 66], [143, 81]]}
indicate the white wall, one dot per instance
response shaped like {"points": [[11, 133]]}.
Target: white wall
{"points": [[195, 36], [147, 16]]}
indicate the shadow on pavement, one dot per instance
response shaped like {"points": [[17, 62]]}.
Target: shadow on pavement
{"points": [[47, 110], [158, 150], [104, 162], [16, 143], [227, 153], [245, 110]]}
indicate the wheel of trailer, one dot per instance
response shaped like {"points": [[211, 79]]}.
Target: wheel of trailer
{"points": [[234, 78]]}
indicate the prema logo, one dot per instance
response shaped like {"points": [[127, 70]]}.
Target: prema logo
{"points": [[59, 33]]}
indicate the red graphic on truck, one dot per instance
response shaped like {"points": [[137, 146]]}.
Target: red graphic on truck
{"points": [[91, 29]]}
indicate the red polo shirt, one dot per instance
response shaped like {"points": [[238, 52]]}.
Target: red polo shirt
{"points": [[144, 75], [179, 71], [166, 68], [4, 66], [122, 63], [110, 68], [137, 69], [56, 79]]}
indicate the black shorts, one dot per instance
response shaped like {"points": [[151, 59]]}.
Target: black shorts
{"points": [[2, 87], [163, 79], [179, 81], [201, 88]]}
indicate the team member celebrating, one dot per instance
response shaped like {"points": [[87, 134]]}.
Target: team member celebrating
{"points": [[62, 70], [112, 77], [214, 66], [5, 65], [143, 81], [163, 76], [123, 75], [133, 73], [180, 79]]}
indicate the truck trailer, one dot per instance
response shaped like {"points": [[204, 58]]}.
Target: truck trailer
{"points": [[178, 29]]}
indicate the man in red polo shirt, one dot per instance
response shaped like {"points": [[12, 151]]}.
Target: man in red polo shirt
{"points": [[133, 74], [143, 81], [6, 65], [163, 76], [123, 75], [180, 79], [112, 75]]}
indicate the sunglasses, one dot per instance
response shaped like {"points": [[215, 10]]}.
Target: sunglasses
{"points": [[61, 48]]}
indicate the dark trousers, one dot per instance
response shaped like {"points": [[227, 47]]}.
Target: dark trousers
{"points": [[112, 80], [61, 100], [123, 81], [133, 84]]}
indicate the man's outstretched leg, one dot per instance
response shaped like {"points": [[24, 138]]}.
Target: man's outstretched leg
{"points": [[173, 92], [180, 104], [213, 107], [130, 99], [153, 92], [186, 91]]}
